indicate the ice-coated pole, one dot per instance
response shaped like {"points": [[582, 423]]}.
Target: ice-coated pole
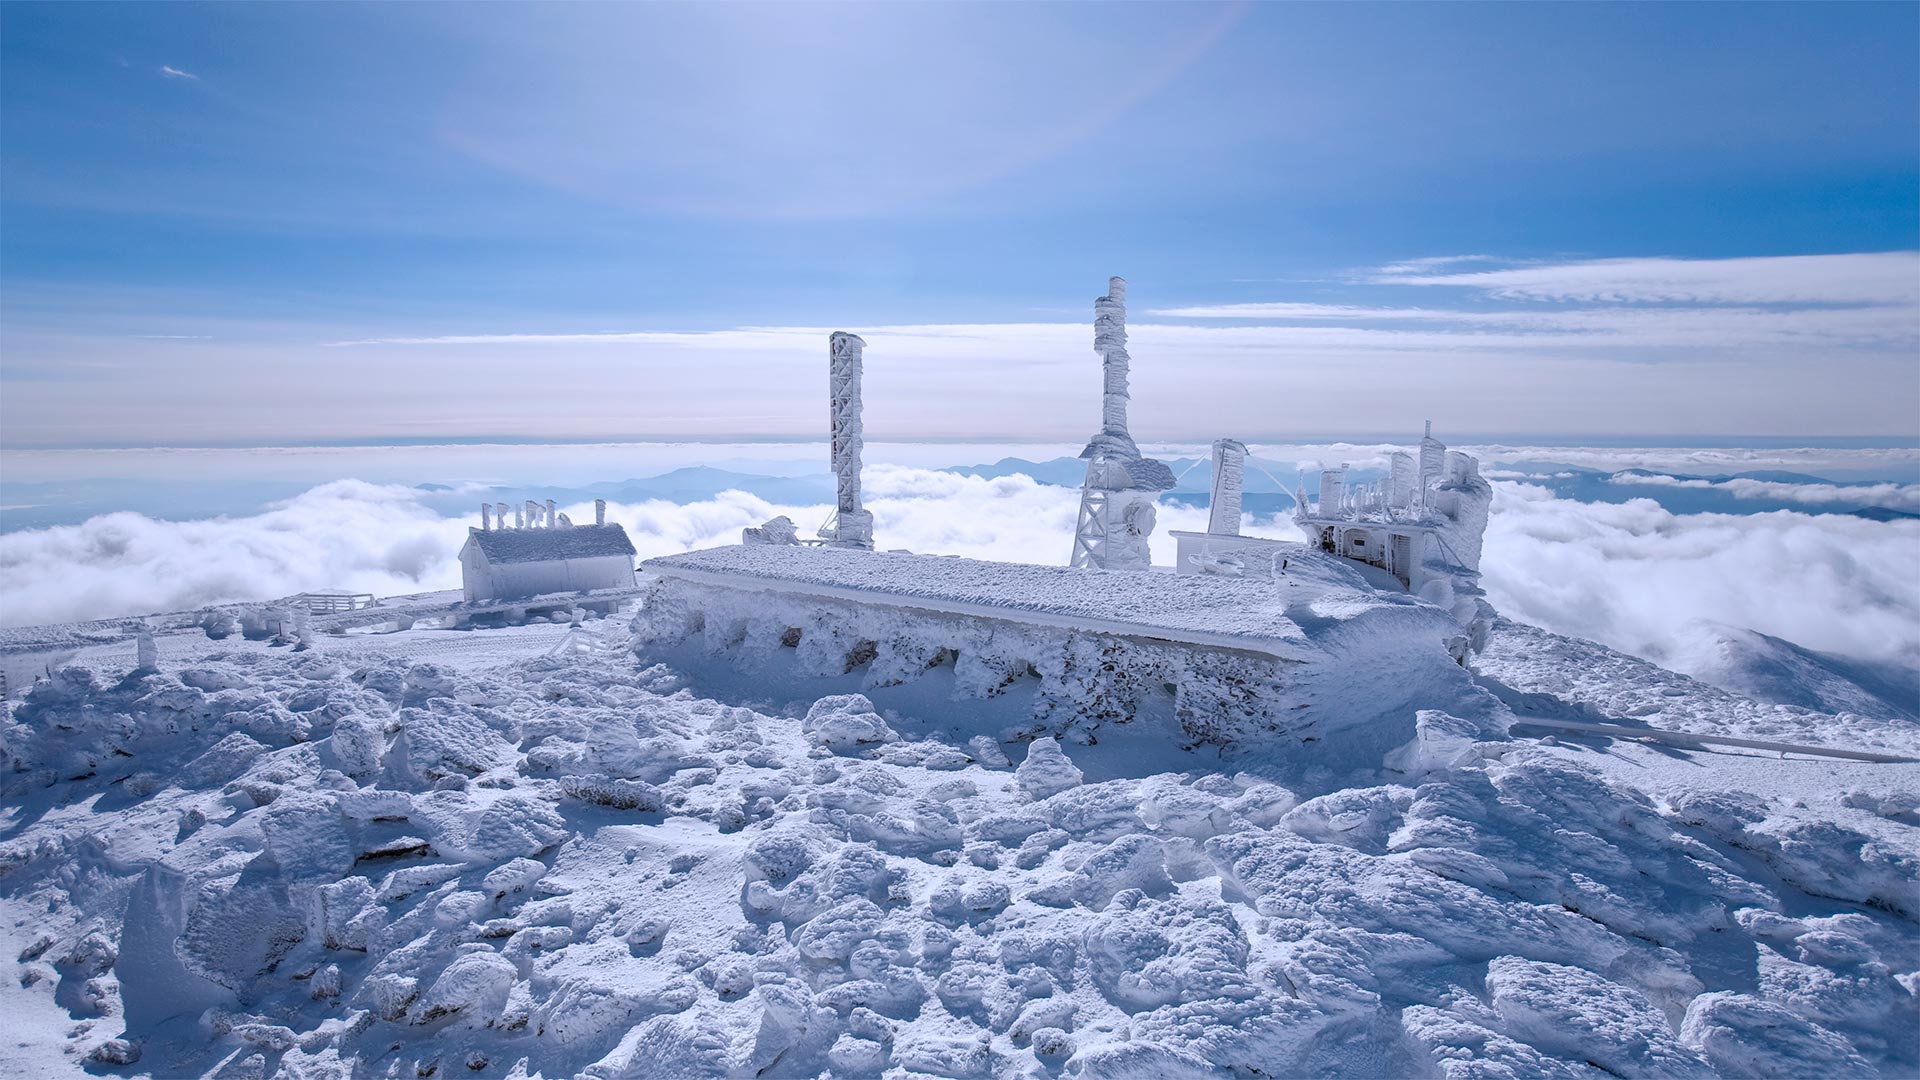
{"points": [[1110, 341], [852, 525]]}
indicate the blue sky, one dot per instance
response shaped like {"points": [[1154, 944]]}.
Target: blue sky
{"points": [[201, 204]]}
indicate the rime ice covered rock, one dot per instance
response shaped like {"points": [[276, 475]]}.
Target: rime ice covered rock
{"points": [[617, 793], [846, 724], [1440, 741], [236, 927], [474, 986], [1517, 911], [1743, 1035], [1576, 1013], [513, 876], [1046, 770]]}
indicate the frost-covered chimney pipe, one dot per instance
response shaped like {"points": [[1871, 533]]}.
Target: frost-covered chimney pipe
{"points": [[1110, 341], [520, 516], [499, 515], [599, 511], [1229, 477], [486, 517], [553, 519]]}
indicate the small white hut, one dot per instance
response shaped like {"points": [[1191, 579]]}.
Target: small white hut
{"points": [[508, 564]]}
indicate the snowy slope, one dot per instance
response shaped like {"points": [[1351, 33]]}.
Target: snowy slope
{"points": [[349, 862], [1768, 668], [1581, 680]]}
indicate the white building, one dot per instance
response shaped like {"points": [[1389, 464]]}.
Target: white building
{"points": [[509, 564], [1423, 525], [1423, 522]]}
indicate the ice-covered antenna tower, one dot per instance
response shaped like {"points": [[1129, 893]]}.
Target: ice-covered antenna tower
{"points": [[1229, 477], [1433, 454], [851, 525], [1117, 501]]}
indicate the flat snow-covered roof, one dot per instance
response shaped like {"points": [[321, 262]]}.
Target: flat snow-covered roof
{"points": [[540, 545], [1278, 617]]}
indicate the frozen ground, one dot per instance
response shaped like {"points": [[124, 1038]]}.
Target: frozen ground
{"points": [[523, 852]]}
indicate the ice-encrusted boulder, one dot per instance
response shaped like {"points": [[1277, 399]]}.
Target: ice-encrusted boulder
{"points": [[778, 530], [1046, 770], [846, 724], [1743, 1035], [1580, 1015], [1440, 741], [475, 986]]}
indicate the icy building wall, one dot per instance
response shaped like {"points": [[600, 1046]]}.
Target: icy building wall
{"points": [[1059, 649], [1066, 680]]}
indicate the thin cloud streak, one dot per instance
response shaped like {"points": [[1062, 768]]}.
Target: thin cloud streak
{"points": [[1891, 277]]}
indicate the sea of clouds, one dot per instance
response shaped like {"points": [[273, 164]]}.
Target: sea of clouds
{"points": [[1631, 575]]}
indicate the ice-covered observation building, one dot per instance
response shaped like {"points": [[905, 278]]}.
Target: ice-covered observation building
{"points": [[1229, 659], [509, 563], [1424, 523]]}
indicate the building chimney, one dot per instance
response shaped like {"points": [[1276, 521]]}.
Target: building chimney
{"points": [[553, 520], [852, 526], [520, 516], [486, 517], [599, 511], [1229, 477]]}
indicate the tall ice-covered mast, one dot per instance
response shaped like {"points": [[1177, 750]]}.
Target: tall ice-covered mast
{"points": [[1117, 501], [851, 525]]}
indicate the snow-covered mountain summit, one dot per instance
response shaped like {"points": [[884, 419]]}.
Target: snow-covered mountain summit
{"points": [[526, 851]]}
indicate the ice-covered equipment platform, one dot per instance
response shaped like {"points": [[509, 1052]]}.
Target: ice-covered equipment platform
{"points": [[1317, 648]]}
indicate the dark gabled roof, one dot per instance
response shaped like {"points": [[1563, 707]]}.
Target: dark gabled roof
{"points": [[540, 545]]}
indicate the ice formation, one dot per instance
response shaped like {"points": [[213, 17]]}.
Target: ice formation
{"points": [[1229, 473], [820, 811], [1117, 499], [1425, 528], [1232, 663], [348, 862], [852, 525]]}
